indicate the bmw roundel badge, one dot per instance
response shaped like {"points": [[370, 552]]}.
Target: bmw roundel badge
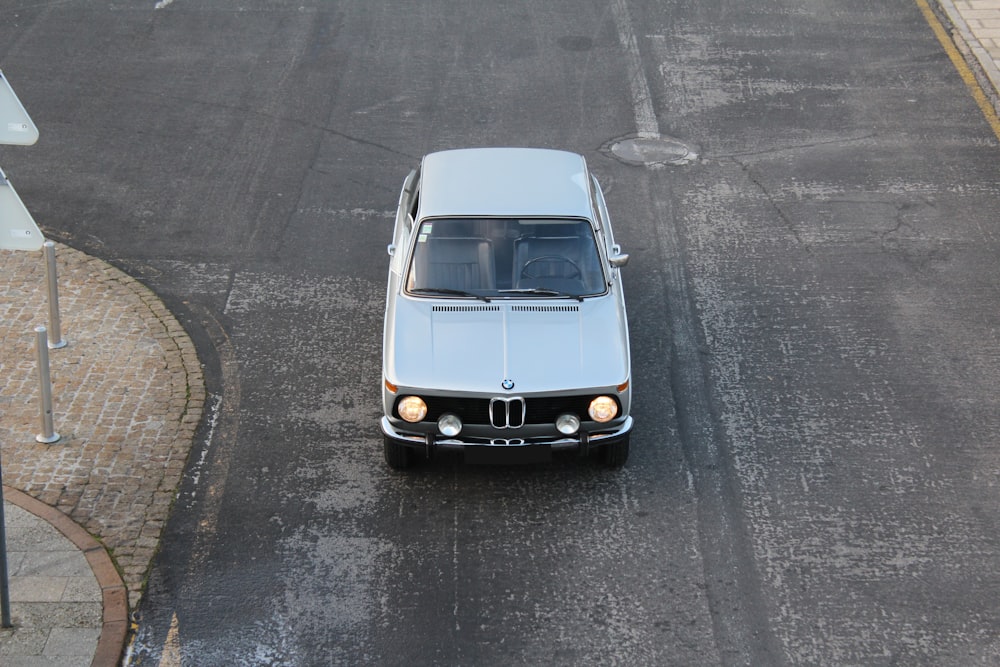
{"points": [[507, 384]]}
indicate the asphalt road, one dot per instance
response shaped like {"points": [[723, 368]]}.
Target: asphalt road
{"points": [[813, 304]]}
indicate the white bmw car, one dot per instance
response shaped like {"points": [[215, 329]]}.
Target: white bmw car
{"points": [[505, 332]]}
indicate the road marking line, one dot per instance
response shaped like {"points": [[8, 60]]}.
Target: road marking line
{"points": [[963, 68], [642, 101], [171, 656]]}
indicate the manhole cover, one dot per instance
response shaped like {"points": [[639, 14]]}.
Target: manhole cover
{"points": [[653, 150]]}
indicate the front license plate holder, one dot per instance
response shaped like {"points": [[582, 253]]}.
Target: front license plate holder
{"points": [[508, 454]]}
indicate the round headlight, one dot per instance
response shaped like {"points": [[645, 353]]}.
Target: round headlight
{"points": [[568, 424], [603, 409], [450, 425], [412, 408]]}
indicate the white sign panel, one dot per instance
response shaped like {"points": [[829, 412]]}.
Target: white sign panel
{"points": [[16, 127], [18, 230]]}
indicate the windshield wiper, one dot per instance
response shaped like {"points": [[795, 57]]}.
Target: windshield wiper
{"points": [[542, 291], [448, 292]]}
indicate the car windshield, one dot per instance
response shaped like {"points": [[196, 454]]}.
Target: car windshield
{"points": [[505, 257]]}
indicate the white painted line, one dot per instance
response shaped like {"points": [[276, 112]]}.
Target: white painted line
{"points": [[171, 656], [642, 102]]}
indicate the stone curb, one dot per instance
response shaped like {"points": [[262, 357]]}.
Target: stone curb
{"points": [[115, 597]]}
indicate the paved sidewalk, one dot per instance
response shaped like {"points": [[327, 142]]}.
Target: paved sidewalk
{"points": [[128, 394], [67, 598], [975, 29]]}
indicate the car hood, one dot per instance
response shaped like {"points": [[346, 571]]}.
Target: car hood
{"points": [[469, 347]]}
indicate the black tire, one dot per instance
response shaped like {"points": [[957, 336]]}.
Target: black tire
{"points": [[616, 454], [397, 456]]}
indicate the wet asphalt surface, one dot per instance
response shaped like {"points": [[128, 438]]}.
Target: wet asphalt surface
{"points": [[813, 305]]}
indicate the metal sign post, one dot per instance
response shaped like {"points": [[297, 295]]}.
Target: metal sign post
{"points": [[18, 231], [4, 582]]}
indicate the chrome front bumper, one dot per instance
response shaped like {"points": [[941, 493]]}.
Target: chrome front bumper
{"points": [[431, 440]]}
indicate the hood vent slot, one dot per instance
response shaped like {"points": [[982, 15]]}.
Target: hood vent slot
{"points": [[545, 309], [465, 309]]}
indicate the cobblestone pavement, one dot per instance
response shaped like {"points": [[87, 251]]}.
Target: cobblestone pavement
{"points": [[127, 394]]}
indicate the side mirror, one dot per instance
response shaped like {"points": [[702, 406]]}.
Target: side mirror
{"points": [[391, 249], [618, 259]]}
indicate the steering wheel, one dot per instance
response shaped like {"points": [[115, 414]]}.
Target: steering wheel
{"points": [[574, 272]]}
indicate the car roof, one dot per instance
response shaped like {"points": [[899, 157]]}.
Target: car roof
{"points": [[504, 182]]}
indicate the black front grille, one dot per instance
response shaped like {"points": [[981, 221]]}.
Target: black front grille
{"points": [[543, 410], [469, 410]]}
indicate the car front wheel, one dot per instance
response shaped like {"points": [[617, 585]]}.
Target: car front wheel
{"points": [[397, 456], [616, 454]]}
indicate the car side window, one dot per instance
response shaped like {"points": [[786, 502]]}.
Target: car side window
{"points": [[602, 214], [406, 212], [400, 241]]}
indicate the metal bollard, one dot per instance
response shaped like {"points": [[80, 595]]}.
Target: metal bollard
{"points": [[55, 340], [48, 434], [5, 620]]}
